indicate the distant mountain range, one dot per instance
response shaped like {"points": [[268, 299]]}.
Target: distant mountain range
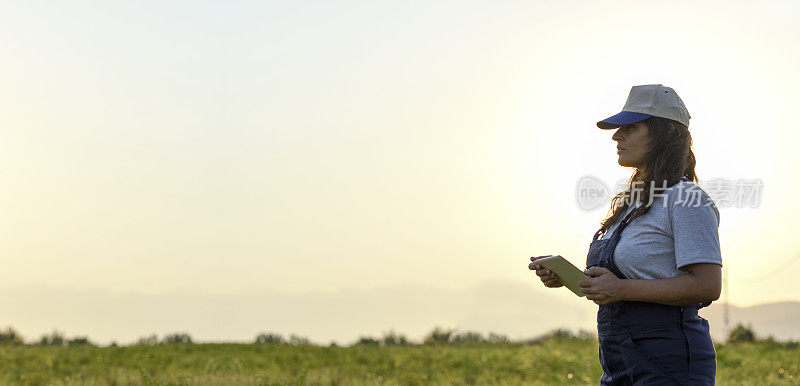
{"points": [[519, 310], [781, 320]]}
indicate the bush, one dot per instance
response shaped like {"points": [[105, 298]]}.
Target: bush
{"points": [[177, 338], [740, 333], [498, 338], [366, 340], [586, 334], [297, 340], [149, 340], [79, 341], [54, 339], [467, 337], [561, 333], [438, 336], [392, 338], [10, 337], [535, 340], [268, 338]]}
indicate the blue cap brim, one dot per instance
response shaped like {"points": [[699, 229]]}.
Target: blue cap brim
{"points": [[623, 118]]}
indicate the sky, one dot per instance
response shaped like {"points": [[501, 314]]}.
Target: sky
{"points": [[300, 148]]}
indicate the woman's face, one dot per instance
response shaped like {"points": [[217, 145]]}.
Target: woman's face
{"points": [[633, 141]]}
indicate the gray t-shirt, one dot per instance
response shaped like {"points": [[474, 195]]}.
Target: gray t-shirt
{"points": [[681, 228]]}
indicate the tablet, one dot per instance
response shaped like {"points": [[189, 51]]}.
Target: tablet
{"points": [[568, 274]]}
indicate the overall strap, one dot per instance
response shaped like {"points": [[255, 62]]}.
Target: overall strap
{"points": [[611, 246], [621, 225], [624, 222]]}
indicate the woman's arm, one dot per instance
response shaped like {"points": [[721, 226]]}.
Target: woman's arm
{"points": [[703, 282]]}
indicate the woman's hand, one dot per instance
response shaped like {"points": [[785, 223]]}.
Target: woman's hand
{"points": [[605, 288], [550, 279]]}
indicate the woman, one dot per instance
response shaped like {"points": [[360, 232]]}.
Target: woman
{"points": [[658, 260]]}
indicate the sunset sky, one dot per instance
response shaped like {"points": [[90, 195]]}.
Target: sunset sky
{"points": [[300, 148]]}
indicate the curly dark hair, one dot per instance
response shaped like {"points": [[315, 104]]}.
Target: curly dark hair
{"points": [[669, 158]]}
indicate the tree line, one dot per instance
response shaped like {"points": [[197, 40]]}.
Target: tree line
{"points": [[437, 337]]}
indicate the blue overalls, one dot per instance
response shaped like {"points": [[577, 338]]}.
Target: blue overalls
{"points": [[644, 343]]}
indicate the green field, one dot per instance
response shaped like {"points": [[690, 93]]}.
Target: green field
{"points": [[550, 361]]}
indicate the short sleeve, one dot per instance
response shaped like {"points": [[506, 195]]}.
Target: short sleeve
{"points": [[695, 224]]}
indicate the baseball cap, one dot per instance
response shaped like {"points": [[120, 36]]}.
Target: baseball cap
{"points": [[645, 101]]}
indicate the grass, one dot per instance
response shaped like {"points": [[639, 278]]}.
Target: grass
{"points": [[551, 361]]}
